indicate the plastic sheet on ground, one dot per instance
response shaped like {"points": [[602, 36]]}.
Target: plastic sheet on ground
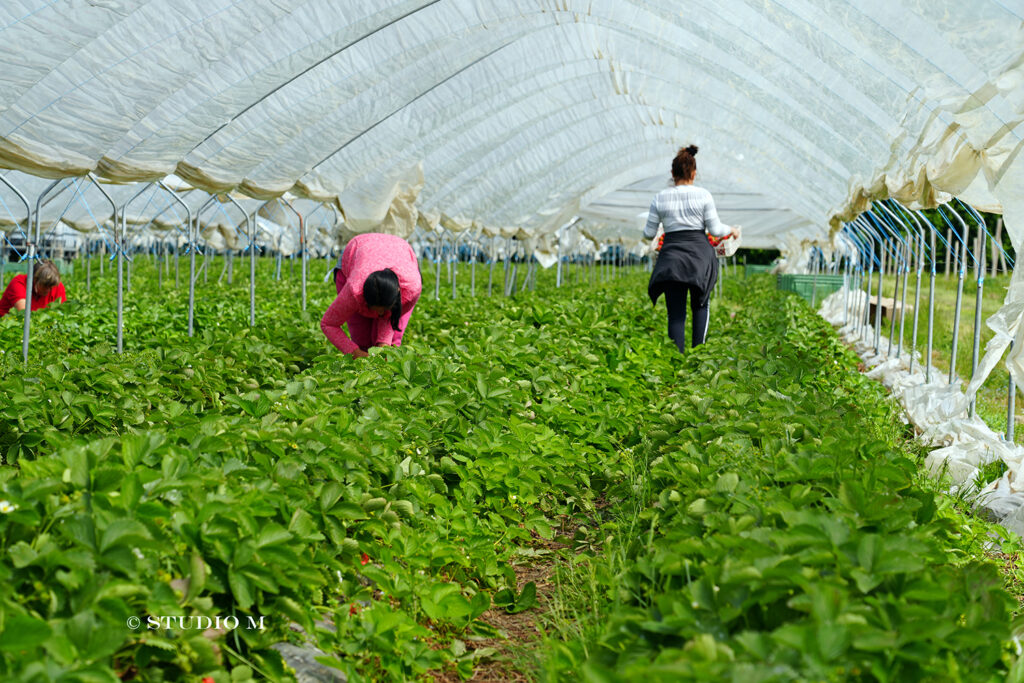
{"points": [[939, 412]]}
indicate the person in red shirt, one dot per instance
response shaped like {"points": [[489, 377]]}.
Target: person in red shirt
{"points": [[46, 288]]}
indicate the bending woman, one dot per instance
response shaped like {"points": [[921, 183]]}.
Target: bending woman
{"points": [[378, 283], [46, 288], [687, 263]]}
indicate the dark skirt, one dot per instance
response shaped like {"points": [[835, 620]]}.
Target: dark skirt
{"points": [[688, 258]]}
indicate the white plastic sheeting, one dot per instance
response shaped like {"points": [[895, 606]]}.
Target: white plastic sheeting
{"points": [[939, 412], [522, 112]]}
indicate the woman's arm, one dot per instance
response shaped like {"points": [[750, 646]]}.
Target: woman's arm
{"points": [[712, 224], [653, 221], [336, 315], [382, 331]]}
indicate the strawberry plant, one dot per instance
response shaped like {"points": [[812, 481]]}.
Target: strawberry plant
{"points": [[744, 508]]}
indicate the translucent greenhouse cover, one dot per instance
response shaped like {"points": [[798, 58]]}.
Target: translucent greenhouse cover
{"points": [[520, 114]]}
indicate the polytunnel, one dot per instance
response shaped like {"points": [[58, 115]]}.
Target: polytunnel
{"points": [[509, 143]]}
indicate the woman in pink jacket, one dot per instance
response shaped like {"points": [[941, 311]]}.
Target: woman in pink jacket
{"points": [[378, 283]]}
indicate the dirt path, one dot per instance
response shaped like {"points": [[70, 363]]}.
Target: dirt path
{"points": [[520, 630], [519, 633]]}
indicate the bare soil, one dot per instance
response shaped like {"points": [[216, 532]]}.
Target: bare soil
{"points": [[519, 630]]}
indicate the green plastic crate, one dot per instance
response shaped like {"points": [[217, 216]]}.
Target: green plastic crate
{"points": [[751, 269], [805, 285]]}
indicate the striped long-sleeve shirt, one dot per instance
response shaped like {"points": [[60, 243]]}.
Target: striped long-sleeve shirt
{"points": [[684, 207]]}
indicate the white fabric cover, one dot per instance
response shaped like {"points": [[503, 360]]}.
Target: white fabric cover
{"points": [[939, 411]]}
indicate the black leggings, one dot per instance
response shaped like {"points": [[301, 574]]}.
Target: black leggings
{"points": [[675, 301]]}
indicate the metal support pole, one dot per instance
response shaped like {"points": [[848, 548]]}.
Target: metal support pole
{"points": [[508, 270], [230, 252], [3, 257], [847, 282], [878, 306], [814, 289], [1011, 397], [251, 224], [515, 274], [898, 266], [454, 261], [961, 273], [119, 255], [472, 269], [193, 245], [302, 244], [903, 298], [558, 253], [979, 269], [437, 270], [956, 323], [931, 325], [30, 256], [917, 302], [867, 292]]}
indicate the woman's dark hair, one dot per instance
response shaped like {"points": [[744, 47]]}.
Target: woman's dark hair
{"points": [[684, 166], [381, 289]]}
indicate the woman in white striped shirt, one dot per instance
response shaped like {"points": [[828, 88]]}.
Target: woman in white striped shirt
{"points": [[687, 263]]}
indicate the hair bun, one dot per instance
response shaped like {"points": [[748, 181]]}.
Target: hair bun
{"points": [[692, 149]]}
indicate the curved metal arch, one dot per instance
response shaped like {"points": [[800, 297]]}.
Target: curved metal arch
{"points": [[666, 47], [608, 159], [581, 185], [424, 146], [818, 121], [314, 65], [642, 6], [92, 76], [509, 149], [270, 66], [542, 120], [28, 207]]}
